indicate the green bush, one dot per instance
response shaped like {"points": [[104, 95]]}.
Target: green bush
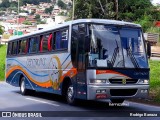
{"points": [[2, 61]]}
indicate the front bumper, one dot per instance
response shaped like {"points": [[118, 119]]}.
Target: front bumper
{"points": [[118, 91]]}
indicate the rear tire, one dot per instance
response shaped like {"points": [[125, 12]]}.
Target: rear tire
{"points": [[23, 89], [70, 95], [117, 101]]}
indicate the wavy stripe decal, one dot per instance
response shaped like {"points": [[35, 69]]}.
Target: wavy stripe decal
{"points": [[42, 84], [27, 68], [109, 72], [49, 83]]}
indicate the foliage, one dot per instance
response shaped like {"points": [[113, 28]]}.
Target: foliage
{"points": [[5, 3], [2, 61], [27, 23], [63, 13], [153, 29], [61, 4], [49, 10], [37, 17], [132, 10], [145, 21], [94, 9], [1, 29], [138, 11], [35, 2], [13, 4], [41, 22]]}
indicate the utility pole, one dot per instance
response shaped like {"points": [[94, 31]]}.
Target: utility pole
{"points": [[73, 10], [116, 5], [18, 18]]}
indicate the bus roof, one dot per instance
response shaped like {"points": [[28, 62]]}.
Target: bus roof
{"points": [[102, 21]]}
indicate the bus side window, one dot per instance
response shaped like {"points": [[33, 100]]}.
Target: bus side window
{"points": [[54, 41], [41, 43], [33, 45], [9, 48], [22, 47], [62, 39], [27, 44], [45, 42], [14, 48], [50, 42]]}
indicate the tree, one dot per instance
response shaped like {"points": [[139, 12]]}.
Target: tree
{"points": [[49, 10], [131, 10], [27, 23], [95, 9], [61, 4], [37, 17], [5, 3], [13, 4], [1, 29]]}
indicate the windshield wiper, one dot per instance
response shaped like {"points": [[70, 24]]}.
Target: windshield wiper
{"points": [[133, 59]]}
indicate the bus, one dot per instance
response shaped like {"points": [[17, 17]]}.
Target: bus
{"points": [[89, 59]]}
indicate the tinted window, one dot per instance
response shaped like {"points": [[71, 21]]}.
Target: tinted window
{"points": [[46, 42], [14, 48], [9, 48], [33, 45], [62, 39], [22, 47], [74, 41]]}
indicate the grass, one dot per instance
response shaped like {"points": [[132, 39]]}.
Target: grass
{"points": [[2, 62], [154, 80]]}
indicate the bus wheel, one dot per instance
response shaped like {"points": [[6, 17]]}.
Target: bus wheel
{"points": [[70, 95], [117, 100], [23, 89]]}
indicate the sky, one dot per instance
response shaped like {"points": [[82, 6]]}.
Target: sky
{"points": [[156, 1]]}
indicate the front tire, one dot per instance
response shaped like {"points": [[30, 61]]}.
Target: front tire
{"points": [[70, 95], [23, 89]]}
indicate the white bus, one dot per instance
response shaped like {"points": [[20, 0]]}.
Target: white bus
{"points": [[86, 59]]}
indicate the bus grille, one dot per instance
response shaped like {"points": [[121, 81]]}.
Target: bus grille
{"points": [[120, 81], [123, 92]]}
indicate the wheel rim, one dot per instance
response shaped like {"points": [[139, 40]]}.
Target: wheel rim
{"points": [[22, 87], [70, 93]]}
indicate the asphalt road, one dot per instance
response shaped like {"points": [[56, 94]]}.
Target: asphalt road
{"points": [[54, 105]]}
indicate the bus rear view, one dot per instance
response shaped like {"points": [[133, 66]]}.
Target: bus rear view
{"points": [[111, 61]]}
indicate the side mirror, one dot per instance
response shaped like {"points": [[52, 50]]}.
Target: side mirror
{"points": [[148, 49], [87, 43]]}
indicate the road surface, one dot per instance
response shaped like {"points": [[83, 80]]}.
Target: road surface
{"points": [[12, 100]]}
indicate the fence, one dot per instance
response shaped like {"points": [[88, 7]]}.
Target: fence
{"points": [[151, 37]]}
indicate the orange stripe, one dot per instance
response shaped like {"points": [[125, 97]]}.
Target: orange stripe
{"points": [[72, 72], [108, 71], [42, 84]]}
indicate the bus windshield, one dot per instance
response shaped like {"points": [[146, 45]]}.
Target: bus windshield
{"points": [[116, 47]]}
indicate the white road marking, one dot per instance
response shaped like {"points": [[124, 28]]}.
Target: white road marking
{"points": [[42, 101]]}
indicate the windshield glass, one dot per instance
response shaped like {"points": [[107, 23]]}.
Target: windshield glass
{"points": [[116, 47]]}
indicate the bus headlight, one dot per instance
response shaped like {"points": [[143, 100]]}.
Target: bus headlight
{"points": [[98, 81], [141, 81]]}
